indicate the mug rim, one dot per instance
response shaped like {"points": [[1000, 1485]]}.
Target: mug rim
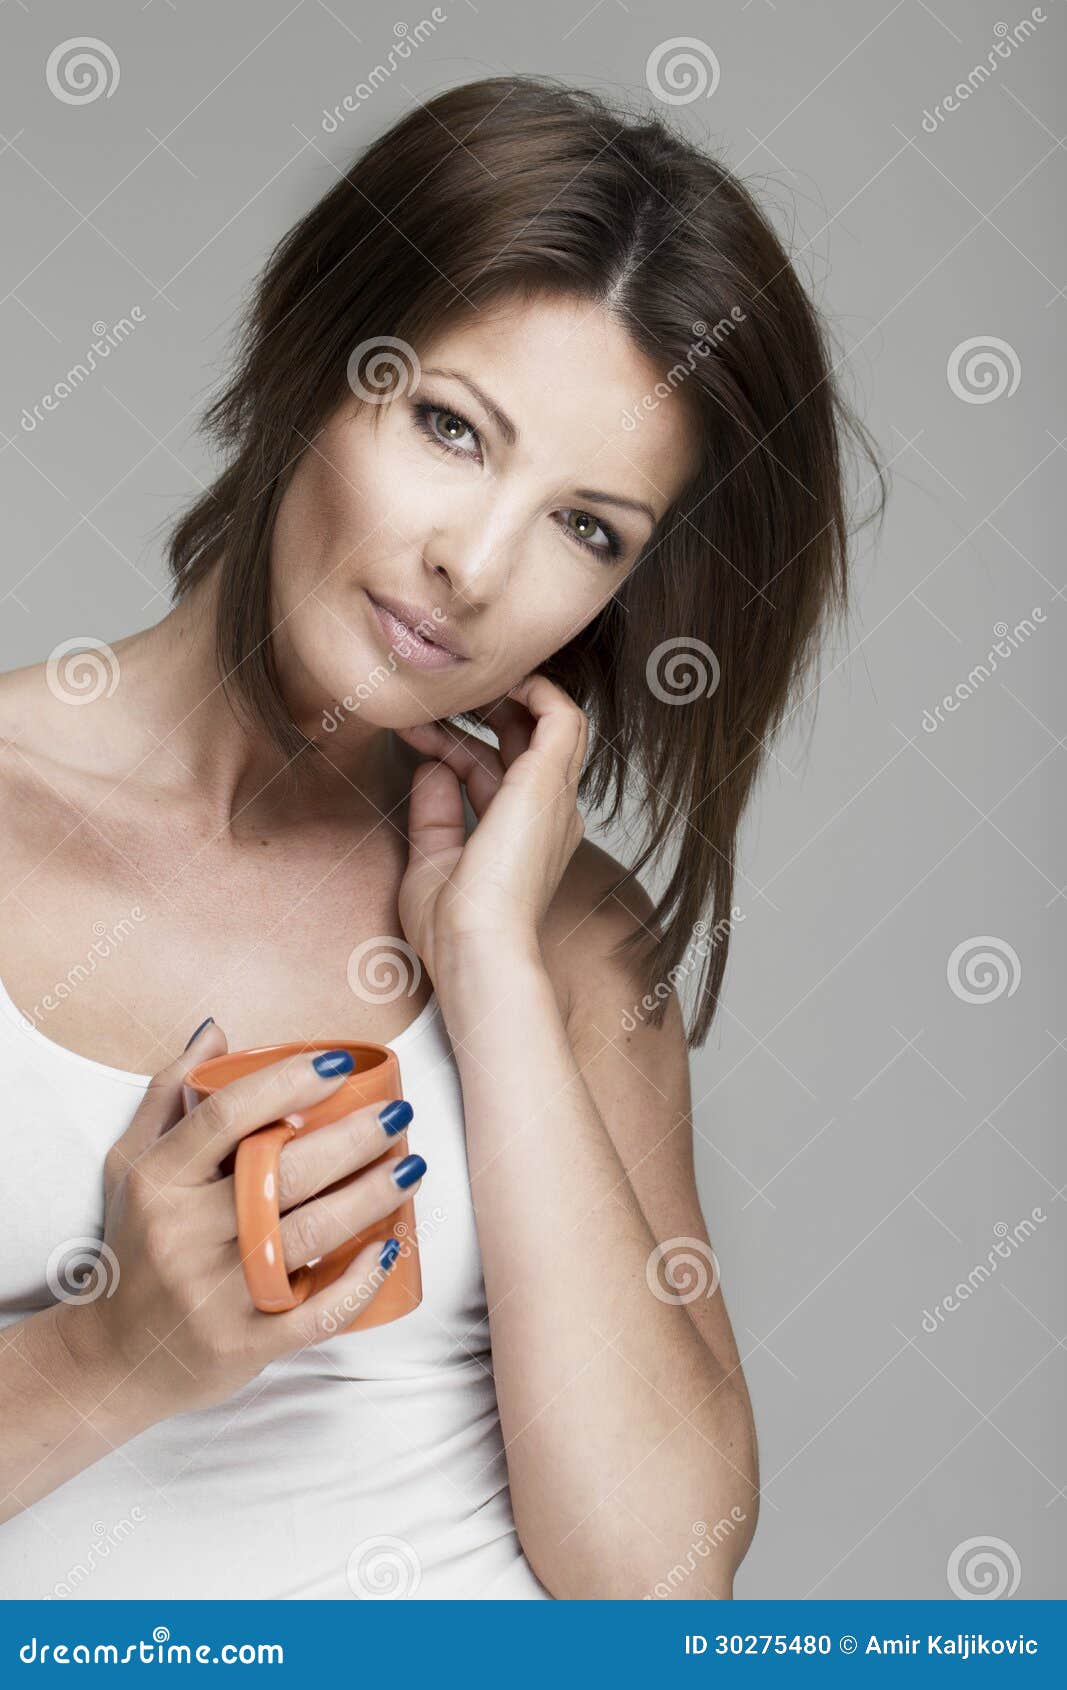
{"points": [[288, 1047]]}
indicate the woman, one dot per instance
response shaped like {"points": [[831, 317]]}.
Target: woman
{"points": [[533, 495]]}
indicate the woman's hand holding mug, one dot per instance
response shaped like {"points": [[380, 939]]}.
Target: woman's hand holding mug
{"points": [[172, 1323]]}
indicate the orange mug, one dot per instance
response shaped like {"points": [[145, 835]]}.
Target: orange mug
{"points": [[374, 1079]]}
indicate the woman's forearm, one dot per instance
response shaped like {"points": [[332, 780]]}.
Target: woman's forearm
{"points": [[61, 1408], [624, 1435]]}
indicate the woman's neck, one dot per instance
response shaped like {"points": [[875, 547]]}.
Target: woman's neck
{"points": [[168, 729]]}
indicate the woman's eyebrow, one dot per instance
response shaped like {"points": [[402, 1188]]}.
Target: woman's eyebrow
{"points": [[594, 494], [511, 434], [502, 420]]}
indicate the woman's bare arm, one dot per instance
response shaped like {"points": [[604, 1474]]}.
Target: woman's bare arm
{"points": [[629, 1438], [61, 1406]]}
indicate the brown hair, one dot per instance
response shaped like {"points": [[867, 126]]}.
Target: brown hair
{"points": [[519, 184]]}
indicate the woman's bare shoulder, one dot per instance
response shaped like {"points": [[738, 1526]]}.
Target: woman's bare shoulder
{"points": [[32, 740], [588, 918], [17, 688], [590, 897], [31, 712]]}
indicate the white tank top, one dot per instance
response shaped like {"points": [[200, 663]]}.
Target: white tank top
{"points": [[365, 1465]]}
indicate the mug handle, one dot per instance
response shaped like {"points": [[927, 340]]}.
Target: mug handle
{"points": [[259, 1238]]}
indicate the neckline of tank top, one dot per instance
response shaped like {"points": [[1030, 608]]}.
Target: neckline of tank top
{"points": [[126, 1076]]}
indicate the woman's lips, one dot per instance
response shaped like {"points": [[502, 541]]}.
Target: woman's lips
{"points": [[408, 644]]}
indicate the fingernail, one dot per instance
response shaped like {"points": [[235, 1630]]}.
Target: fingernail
{"points": [[329, 1063], [199, 1030], [390, 1250], [396, 1115], [408, 1170]]}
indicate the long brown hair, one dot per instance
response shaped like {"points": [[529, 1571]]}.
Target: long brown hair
{"points": [[520, 184]]}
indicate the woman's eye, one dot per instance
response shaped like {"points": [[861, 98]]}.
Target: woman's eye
{"points": [[445, 428], [584, 527]]}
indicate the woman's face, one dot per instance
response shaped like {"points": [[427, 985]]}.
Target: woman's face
{"points": [[498, 498]]}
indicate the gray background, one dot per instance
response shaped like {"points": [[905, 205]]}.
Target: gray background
{"points": [[862, 1129]]}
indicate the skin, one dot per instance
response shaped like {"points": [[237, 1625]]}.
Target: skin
{"points": [[633, 1404]]}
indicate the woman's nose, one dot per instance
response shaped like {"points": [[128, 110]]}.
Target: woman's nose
{"points": [[476, 555]]}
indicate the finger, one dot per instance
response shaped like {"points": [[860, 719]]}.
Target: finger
{"points": [[312, 1163], [561, 729], [336, 1306], [324, 1224], [309, 1164], [513, 725], [192, 1150], [476, 764], [164, 1102], [435, 821]]}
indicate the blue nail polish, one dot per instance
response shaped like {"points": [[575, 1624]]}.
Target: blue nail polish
{"points": [[329, 1063], [199, 1030], [396, 1115], [408, 1170], [390, 1250]]}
